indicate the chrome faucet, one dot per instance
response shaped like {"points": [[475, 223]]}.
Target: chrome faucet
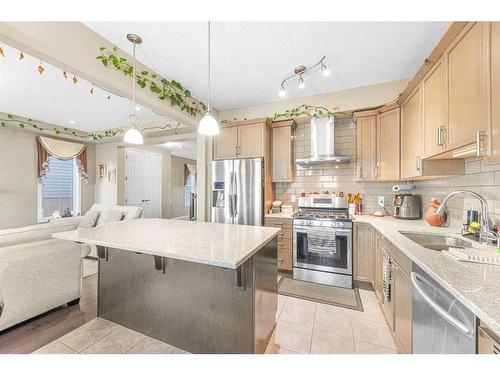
{"points": [[486, 235]]}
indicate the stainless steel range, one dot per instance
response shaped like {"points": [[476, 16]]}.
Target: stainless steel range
{"points": [[322, 241]]}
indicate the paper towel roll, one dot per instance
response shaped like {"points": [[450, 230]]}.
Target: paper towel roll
{"points": [[403, 188]]}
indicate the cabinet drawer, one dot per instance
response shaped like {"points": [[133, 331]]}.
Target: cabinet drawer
{"points": [[281, 223], [285, 242], [284, 259]]}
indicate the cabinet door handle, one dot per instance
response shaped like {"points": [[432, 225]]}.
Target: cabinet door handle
{"points": [[438, 136], [418, 162], [480, 139]]}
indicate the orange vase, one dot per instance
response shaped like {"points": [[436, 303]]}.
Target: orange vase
{"points": [[432, 218]]}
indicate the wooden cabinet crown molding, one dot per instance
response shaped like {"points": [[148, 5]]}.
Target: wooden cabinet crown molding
{"points": [[259, 120], [292, 123]]}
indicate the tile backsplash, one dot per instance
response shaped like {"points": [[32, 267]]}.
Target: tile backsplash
{"points": [[479, 177]]}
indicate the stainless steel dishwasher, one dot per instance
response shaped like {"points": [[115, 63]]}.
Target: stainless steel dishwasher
{"points": [[441, 324]]}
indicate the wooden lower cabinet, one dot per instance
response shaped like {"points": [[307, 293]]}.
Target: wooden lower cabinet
{"points": [[363, 255], [487, 341], [377, 272], [398, 308], [402, 309], [285, 258]]}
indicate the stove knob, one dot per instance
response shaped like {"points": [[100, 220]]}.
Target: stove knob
{"points": [[341, 225]]}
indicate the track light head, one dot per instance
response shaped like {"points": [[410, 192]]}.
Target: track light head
{"points": [[301, 82], [282, 92]]}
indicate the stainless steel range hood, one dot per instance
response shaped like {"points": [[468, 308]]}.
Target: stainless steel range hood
{"points": [[323, 143]]}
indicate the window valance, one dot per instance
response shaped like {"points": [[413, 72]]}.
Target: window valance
{"points": [[189, 169], [50, 147]]}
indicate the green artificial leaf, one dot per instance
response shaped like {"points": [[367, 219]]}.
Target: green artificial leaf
{"points": [[102, 48], [21, 125], [3, 124], [9, 115]]}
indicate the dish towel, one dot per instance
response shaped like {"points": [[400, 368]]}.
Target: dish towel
{"points": [[473, 255]]}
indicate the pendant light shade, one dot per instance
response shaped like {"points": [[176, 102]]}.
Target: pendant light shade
{"points": [[134, 136], [208, 124]]}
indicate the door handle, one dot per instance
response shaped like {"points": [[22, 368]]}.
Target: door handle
{"points": [[418, 163], [415, 278]]}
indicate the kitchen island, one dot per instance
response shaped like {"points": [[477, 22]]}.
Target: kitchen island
{"points": [[202, 287]]}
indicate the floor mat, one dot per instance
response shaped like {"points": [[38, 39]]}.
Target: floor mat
{"points": [[348, 298]]}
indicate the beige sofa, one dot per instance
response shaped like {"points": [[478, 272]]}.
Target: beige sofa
{"points": [[39, 273]]}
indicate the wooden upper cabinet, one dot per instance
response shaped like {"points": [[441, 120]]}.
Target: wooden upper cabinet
{"points": [[434, 103], [465, 86], [411, 135], [226, 143], [251, 140], [494, 72], [388, 145], [366, 154], [245, 139], [282, 151]]}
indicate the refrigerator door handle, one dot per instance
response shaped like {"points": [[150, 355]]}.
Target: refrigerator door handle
{"points": [[230, 198], [235, 196], [415, 278]]}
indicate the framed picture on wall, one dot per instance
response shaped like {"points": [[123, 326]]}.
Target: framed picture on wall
{"points": [[101, 170], [112, 175]]}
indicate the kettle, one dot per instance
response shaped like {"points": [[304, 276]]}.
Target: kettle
{"points": [[407, 206]]}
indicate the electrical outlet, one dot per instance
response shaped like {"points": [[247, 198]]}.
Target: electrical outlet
{"points": [[293, 198], [381, 201]]}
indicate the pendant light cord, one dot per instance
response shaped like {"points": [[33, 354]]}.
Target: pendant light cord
{"points": [[209, 78], [133, 82]]}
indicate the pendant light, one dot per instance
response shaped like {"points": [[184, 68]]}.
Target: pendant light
{"points": [[133, 135], [208, 124]]}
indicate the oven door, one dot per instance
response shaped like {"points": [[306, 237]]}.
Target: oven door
{"points": [[323, 249]]}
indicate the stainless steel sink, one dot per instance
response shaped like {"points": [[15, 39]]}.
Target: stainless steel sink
{"points": [[435, 241]]}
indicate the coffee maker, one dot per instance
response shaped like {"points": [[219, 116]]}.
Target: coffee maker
{"points": [[407, 206]]}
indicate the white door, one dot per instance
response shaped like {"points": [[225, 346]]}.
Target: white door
{"points": [[143, 181]]}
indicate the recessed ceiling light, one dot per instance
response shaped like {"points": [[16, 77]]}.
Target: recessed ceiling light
{"points": [[72, 122]]}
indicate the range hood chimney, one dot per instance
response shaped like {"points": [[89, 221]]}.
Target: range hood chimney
{"points": [[323, 143]]}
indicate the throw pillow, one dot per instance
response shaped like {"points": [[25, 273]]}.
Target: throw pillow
{"points": [[114, 215], [89, 220]]}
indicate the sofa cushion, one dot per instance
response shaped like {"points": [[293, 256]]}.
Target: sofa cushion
{"points": [[113, 215], [90, 219], [33, 233]]}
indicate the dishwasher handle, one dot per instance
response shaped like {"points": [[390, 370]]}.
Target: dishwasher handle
{"points": [[415, 278]]}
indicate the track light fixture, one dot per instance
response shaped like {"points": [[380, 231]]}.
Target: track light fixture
{"points": [[300, 71]]}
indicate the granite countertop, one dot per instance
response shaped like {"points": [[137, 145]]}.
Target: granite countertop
{"points": [[223, 245], [476, 285], [281, 215]]}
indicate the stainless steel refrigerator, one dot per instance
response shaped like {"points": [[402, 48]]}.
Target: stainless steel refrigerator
{"points": [[238, 191]]}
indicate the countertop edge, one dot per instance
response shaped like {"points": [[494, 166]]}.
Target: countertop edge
{"points": [[68, 235]]}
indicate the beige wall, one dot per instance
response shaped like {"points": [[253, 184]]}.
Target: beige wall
{"points": [[177, 182], [346, 100], [18, 184]]}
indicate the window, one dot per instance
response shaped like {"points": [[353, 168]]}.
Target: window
{"points": [[188, 189], [60, 191]]}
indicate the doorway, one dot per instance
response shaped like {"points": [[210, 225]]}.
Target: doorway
{"points": [[143, 181]]}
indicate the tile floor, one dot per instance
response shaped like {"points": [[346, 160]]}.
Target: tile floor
{"points": [[302, 327], [316, 328]]}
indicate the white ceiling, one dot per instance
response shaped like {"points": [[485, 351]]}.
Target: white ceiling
{"points": [[249, 59], [50, 98], [184, 148]]}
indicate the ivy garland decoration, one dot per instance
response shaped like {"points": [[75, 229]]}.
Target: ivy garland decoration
{"points": [[59, 131], [302, 110], [168, 90]]}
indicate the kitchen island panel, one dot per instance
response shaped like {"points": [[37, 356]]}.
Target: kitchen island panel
{"points": [[196, 307]]}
